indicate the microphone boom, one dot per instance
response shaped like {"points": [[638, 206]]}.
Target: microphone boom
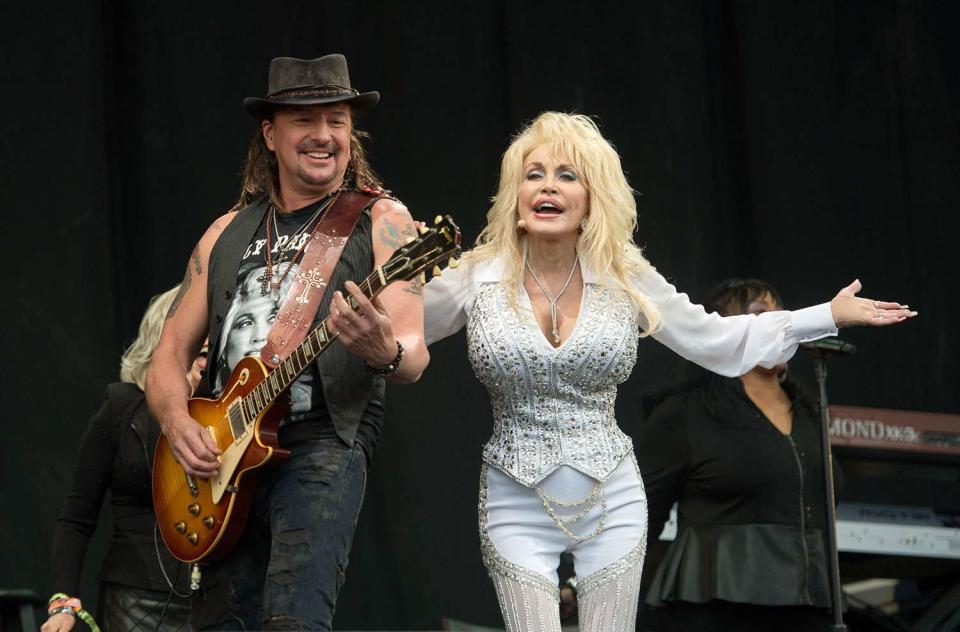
{"points": [[829, 347]]}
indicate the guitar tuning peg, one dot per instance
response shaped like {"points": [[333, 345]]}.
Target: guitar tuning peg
{"points": [[423, 278], [437, 219], [437, 271], [454, 263], [423, 230], [409, 239]]}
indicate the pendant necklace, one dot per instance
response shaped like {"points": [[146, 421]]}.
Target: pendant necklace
{"points": [[553, 299], [269, 285]]}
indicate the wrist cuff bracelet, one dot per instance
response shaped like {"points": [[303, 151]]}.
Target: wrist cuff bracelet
{"points": [[391, 368]]}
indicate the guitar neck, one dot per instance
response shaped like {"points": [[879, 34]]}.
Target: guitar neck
{"points": [[313, 345], [437, 246]]}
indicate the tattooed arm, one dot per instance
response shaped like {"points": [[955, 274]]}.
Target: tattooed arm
{"points": [[397, 315], [183, 333]]}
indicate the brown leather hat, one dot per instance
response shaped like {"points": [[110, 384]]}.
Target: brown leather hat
{"points": [[309, 82]]}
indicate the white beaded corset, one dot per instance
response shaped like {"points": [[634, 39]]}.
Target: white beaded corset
{"points": [[553, 407]]}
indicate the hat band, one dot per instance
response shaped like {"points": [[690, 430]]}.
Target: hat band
{"points": [[316, 91]]}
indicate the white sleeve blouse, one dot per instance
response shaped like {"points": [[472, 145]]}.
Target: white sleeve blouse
{"points": [[728, 345]]}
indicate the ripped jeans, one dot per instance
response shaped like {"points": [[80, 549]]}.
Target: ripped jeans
{"points": [[287, 568]]}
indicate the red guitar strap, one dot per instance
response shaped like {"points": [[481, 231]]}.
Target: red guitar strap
{"points": [[306, 292]]}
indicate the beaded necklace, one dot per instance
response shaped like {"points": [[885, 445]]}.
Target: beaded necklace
{"points": [[267, 284]]}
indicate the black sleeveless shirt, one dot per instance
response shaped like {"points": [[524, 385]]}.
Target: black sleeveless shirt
{"points": [[253, 306]]}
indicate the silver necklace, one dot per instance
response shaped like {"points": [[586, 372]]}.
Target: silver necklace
{"points": [[553, 299]]}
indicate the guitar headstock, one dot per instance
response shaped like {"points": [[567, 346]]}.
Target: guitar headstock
{"points": [[426, 256]]}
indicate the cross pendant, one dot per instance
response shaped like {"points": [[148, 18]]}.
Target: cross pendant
{"points": [[264, 283]]}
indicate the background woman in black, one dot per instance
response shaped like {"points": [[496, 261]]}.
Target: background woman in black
{"points": [[115, 454], [741, 457]]}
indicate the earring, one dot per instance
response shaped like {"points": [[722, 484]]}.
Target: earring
{"points": [[583, 225], [521, 226]]}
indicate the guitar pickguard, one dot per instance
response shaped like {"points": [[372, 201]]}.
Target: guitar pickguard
{"points": [[229, 462]]}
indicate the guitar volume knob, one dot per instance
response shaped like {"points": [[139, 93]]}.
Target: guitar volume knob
{"points": [[194, 509], [192, 537], [181, 527], [208, 522]]}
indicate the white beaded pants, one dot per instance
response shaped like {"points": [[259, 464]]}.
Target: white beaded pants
{"points": [[522, 545]]}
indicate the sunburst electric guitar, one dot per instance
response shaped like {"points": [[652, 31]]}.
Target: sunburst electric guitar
{"points": [[202, 519]]}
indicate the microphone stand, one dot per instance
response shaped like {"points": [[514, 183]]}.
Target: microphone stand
{"points": [[820, 366]]}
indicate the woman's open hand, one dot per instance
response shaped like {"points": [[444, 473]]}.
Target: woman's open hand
{"points": [[849, 310]]}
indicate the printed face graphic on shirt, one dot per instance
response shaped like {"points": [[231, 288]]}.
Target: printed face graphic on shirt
{"points": [[250, 328], [247, 325]]}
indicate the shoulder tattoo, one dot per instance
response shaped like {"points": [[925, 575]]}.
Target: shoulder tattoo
{"points": [[395, 234]]}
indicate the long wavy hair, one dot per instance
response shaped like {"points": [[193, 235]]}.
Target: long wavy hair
{"points": [[607, 240], [261, 176], [136, 358]]}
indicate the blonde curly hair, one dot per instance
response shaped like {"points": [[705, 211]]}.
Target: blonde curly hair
{"points": [[136, 358], [607, 241]]}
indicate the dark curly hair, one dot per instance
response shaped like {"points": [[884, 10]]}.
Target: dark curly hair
{"points": [[733, 296]]}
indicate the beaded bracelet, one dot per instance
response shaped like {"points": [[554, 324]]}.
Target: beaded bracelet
{"points": [[61, 610], [391, 368], [61, 603]]}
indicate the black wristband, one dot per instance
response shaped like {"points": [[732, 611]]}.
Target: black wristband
{"points": [[391, 368]]}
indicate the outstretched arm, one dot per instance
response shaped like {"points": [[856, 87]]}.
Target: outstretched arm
{"points": [[733, 345], [183, 333]]}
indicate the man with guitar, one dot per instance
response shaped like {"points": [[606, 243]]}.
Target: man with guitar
{"points": [[313, 218]]}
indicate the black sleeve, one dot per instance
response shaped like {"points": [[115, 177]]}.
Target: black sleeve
{"points": [[81, 508], [663, 455]]}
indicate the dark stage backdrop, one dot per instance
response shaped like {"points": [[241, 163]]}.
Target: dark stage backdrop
{"points": [[805, 143]]}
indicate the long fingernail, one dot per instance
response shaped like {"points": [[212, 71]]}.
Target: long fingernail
{"points": [[914, 313]]}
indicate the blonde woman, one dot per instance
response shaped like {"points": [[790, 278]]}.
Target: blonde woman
{"points": [[115, 454], [554, 298]]}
